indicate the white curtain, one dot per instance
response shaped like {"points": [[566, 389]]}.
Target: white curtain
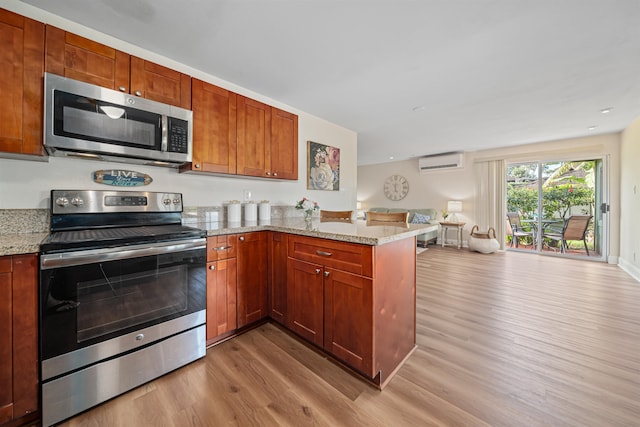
{"points": [[490, 205]]}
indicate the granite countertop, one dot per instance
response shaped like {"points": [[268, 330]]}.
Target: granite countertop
{"points": [[23, 243], [355, 232], [358, 231]]}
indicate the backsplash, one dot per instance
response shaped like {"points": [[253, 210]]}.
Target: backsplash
{"points": [[21, 221]]}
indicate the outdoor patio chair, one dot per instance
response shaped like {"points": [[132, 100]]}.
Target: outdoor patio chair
{"points": [[515, 229], [575, 228]]}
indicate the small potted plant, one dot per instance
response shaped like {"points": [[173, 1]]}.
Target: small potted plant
{"points": [[308, 207]]}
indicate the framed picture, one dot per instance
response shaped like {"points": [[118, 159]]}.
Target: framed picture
{"points": [[323, 167]]}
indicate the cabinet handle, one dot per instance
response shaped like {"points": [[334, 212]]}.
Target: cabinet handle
{"points": [[275, 174], [241, 238], [326, 274], [212, 267], [317, 271], [138, 93], [323, 253], [197, 165], [221, 248], [268, 173], [122, 89]]}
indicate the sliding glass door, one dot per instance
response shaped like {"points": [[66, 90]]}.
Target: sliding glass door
{"points": [[557, 208]]}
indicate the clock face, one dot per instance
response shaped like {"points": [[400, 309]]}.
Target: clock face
{"points": [[396, 187]]}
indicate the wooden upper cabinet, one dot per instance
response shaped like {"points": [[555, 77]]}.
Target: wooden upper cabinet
{"points": [[214, 129], [284, 144], [21, 89], [158, 83], [254, 137], [78, 58]]}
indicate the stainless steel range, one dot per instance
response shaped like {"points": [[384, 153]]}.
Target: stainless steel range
{"points": [[122, 296]]}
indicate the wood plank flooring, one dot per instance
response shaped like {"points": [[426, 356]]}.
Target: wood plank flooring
{"points": [[507, 339]]}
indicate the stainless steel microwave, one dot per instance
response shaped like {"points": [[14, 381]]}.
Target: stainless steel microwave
{"points": [[88, 121]]}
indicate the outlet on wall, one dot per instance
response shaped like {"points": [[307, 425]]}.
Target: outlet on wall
{"points": [[246, 195]]}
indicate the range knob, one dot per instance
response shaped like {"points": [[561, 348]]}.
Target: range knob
{"points": [[62, 202], [77, 201], [166, 202], [176, 201]]}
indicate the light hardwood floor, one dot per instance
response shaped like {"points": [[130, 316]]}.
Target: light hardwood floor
{"points": [[507, 339]]}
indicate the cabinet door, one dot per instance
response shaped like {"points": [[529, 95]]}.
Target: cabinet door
{"points": [[6, 341], [284, 144], [158, 83], [21, 90], [348, 318], [78, 58], [252, 277], [254, 138], [221, 298], [214, 128], [305, 299], [277, 289], [25, 334], [18, 336]]}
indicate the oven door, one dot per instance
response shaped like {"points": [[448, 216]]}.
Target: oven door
{"points": [[94, 296]]}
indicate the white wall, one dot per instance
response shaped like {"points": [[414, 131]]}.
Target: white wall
{"points": [[433, 189], [630, 200], [26, 184]]}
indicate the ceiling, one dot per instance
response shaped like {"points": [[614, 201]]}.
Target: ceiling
{"points": [[412, 78]]}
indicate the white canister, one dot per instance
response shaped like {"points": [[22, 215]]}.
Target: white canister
{"points": [[233, 211], [264, 211], [250, 212]]}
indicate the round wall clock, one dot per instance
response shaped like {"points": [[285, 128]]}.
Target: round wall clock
{"points": [[396, 187]]}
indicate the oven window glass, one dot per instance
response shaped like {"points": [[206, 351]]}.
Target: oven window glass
{"points": [[94, 120], [117, 301], [86, 304]]}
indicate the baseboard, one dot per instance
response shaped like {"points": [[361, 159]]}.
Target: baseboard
{"points": [[629, 268]]}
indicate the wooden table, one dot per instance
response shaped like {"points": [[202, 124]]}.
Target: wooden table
{"points": [[447, 225]]}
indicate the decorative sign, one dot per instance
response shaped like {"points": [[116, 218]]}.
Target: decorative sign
{"points": [[121, 178]]}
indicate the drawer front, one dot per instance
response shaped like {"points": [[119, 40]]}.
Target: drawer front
{"points": [[351, 257], [221, 247]]}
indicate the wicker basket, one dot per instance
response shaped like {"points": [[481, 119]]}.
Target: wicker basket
{"points": [[485, 243]]}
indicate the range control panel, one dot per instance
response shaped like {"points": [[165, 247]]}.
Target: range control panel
{"points": [[104, 201]]}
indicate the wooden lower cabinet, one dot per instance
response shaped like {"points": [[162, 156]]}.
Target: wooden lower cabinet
{"points": [[277, 277], [221, 298], [305, 294], [252, 277], [348, 318], [221, 287], [18, 337], [355, 301]]}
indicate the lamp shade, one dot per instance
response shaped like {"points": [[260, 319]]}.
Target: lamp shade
{"points": [[454, 206], [358, 205]]}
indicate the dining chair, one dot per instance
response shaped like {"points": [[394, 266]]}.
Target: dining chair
{"points": [[399, 217], [335, 215], [516, 230], [575, 228]]}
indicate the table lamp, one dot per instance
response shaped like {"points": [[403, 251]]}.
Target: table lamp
{"points": [[453, 207]]}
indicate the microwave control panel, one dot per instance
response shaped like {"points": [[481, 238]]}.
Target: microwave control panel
{"points": [[178, 135]]}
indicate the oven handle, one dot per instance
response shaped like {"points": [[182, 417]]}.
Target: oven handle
{"points": [[73, 258]]}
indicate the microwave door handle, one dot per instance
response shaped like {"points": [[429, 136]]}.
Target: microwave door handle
{"points": [[164, 123]]}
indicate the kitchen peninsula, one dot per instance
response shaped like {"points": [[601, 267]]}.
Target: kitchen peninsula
{"points": [[348, 288]]}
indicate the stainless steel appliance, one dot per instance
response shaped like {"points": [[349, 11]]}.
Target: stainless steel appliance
{"points": [[90, 121], [122, 296]]}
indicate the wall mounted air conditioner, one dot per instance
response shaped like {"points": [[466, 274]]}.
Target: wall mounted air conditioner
{"points": [[442, 161]]}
